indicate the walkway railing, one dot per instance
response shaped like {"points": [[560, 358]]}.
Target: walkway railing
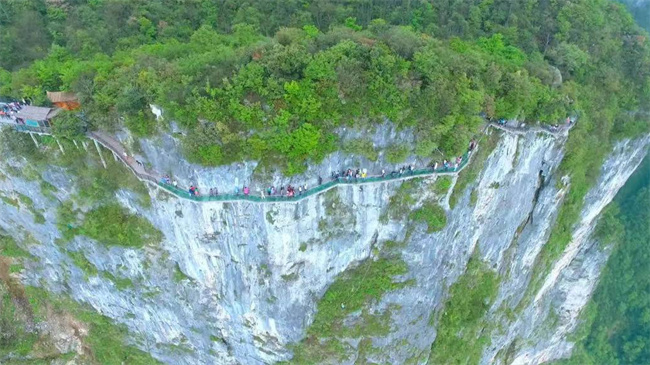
{"points": [[258, 198], [26, 128]]}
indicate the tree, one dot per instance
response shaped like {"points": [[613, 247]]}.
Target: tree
{"points": [[69, 124]]}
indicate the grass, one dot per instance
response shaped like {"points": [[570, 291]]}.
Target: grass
{"points": [[352, 291], [473, 197], [48, 190], [303, 247], [396, 154], [179, 275], [442, 185], [114, 225], [461, 336], [9, 201], [80, 261], [29, 204], [432, 214], [15, 338], [363, 147], [270, 216], [290, 277], [67, 220], [120, 283], [471, 172], [9, 248]]}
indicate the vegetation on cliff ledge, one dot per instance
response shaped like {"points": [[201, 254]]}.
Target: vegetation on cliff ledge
{"points": [[114, 225], [462, 329], [345, 312]]}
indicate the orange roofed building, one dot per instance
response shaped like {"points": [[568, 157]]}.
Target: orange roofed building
{"points": [[64, 100]]}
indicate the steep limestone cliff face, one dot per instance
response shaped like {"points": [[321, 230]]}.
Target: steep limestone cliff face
{"points": [[238, 282]]}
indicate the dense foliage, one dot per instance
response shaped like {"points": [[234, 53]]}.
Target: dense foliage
{"points": [[271, 80], [432, 214], [462, 332], [352, 292], [114, 225], [617, 322]]}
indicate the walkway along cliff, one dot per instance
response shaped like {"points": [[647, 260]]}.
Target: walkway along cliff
{"points": [[151, 177], [235, 282]]}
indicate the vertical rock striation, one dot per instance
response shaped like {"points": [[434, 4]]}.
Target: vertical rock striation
{"points": [[238, 282]]}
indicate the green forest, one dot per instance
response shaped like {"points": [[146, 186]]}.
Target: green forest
{"points": [[271, 80], [616, 323]]}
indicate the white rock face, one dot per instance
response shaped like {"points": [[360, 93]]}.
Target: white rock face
{"points": [[254, 272]]}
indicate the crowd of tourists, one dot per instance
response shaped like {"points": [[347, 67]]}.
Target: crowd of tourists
{"points": [[345, 175], [8, 110], [360, 174]]}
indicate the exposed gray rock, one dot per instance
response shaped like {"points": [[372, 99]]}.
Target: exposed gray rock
{"points": [[250, 289]]}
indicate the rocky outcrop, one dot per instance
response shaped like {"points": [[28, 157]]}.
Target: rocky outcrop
{"points": [[238, 282]]}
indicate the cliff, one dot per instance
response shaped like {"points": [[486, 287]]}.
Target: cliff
{"points": [[240, 282]]}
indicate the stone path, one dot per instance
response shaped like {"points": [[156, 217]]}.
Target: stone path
{"points": [[154, 178]]}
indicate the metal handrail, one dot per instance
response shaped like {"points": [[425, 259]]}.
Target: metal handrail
{"points": [[259, 198], [262, 197]]}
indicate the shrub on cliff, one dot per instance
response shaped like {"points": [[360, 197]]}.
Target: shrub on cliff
{"points": [[432, 214], [114, 225]]}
